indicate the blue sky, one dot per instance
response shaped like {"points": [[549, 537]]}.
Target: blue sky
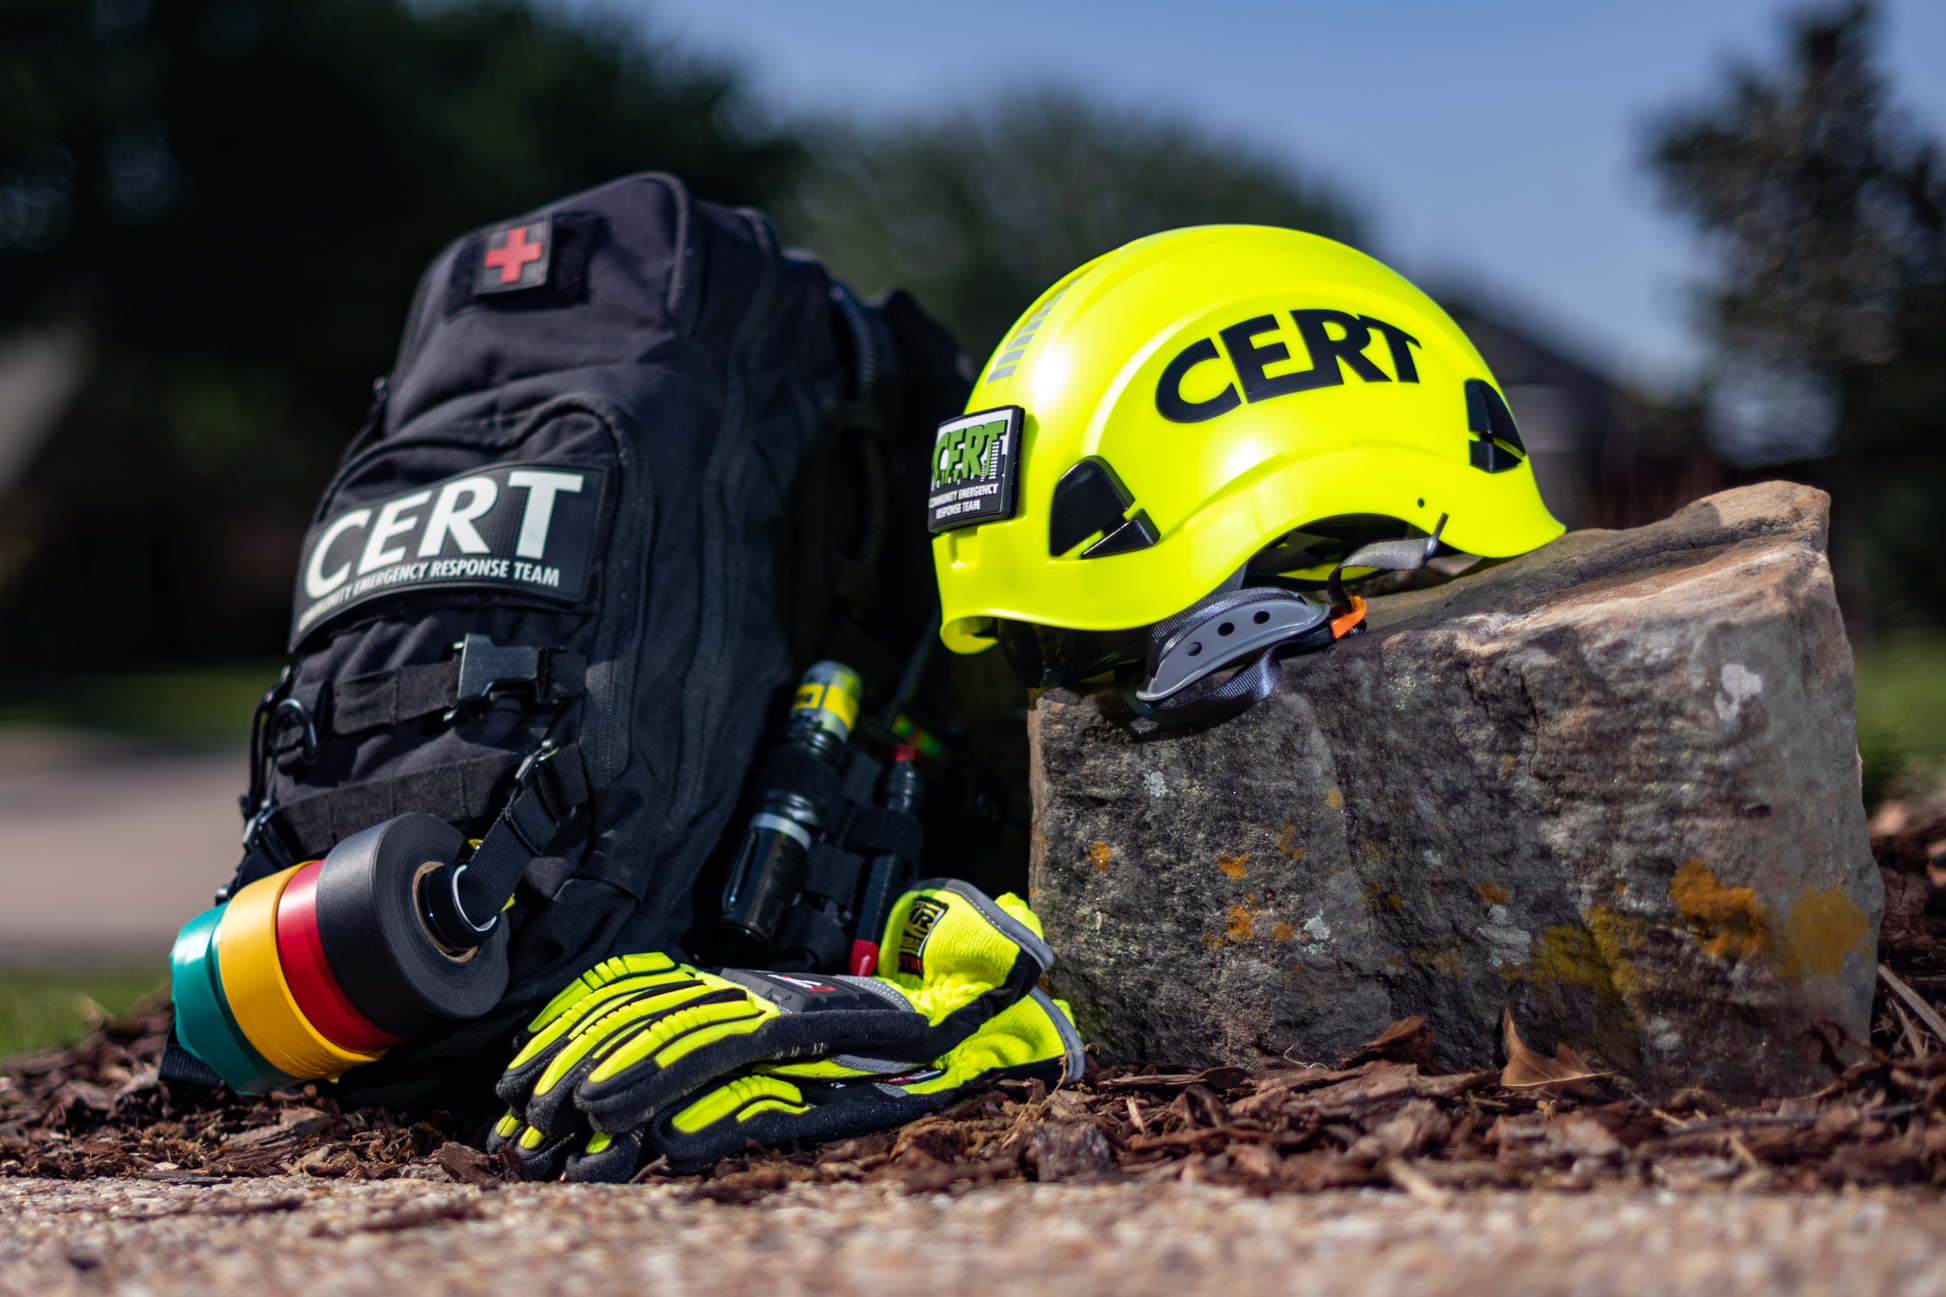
{"points": [[1494, 144]]}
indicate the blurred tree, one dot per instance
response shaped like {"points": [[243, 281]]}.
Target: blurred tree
{"points": [[979, 210], [237, 196], [1826, 211]]}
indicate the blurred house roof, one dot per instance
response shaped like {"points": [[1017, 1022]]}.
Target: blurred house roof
{"points": [[1604, 455], [1569, 412]]}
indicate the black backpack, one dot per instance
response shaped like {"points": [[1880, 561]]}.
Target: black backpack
{"points": [[636, 466]]}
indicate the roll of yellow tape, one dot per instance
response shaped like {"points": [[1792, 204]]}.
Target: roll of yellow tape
{"points": [[253, 982]]}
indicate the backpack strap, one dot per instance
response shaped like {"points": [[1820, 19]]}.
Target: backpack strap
{"points": [[550, 787], [463, 901]]}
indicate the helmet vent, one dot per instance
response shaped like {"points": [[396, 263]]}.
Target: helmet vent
{"points": [[1091, 499], [1487, 415]]}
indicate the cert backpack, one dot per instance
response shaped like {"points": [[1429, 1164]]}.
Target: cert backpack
{"points": [[635, 467]]}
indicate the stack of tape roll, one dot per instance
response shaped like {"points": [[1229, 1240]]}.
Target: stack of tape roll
{"points": [[315, 970]]}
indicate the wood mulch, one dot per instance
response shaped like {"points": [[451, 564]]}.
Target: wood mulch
{"points": [[1388, 1117]]}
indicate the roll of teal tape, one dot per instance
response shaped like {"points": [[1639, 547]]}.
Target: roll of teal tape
{"points": [[204, 1024]]}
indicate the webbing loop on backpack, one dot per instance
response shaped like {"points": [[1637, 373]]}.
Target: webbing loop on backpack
{"points": [[481, 673], [388, 697], [458, 792], [463, 901]]}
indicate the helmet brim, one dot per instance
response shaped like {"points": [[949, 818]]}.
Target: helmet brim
{"points": [[1494, 515]]}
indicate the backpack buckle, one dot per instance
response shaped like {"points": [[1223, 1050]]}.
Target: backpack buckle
{"points": [[489, 671], [537, 772]]}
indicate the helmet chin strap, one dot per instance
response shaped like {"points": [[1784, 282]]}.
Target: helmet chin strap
{"points": [[1390, 555], [1262, 624]]}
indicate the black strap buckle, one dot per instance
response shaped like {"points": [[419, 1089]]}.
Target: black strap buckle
{"points": [[259, 792], [489, 671], [537, 772], [548, 788], [259, 836]]}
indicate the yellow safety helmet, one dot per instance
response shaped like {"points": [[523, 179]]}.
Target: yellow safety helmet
{"points": [[1184, 439]]}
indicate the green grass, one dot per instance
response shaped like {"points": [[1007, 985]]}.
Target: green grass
{"points": [[1901, 707], [48, 1008], [205, 703]]}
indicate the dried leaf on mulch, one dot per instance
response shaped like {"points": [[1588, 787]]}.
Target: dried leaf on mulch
{"points": [[1912, 937], [1409, 1040], [1556, 1077]]}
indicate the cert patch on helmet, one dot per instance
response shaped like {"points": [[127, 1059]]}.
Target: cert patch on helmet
{"points": [[515, 257], [973, 460], [523, 529]]}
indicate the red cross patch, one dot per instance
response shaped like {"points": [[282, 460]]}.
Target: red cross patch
{"points": [[515, 257]]}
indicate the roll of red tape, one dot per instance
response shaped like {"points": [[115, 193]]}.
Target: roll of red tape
{"points": [[301, 952], [259, 994]]}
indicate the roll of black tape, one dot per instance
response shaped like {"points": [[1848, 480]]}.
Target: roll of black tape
{"points": [[385, 960]]}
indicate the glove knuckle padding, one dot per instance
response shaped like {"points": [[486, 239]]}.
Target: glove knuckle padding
{"points": [[527, 1152], [561, 1047], [668, 1021], [601, 985], [740, 1099]]}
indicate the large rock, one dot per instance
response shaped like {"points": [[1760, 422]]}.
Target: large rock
{"points": [[1612, 785]]}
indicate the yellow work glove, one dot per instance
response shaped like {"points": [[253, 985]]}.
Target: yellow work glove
{"points": [[837, 1098], [636, 1033]]}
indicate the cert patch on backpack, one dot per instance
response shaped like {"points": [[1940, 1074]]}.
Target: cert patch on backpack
{"points": [[524, 529]]}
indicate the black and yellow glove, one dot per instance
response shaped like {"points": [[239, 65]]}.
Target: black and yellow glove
{"points": [[837, 1098], [634, 1034]]}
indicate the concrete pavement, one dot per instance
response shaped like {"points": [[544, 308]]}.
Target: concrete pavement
{"points": [[299, 1236]]}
